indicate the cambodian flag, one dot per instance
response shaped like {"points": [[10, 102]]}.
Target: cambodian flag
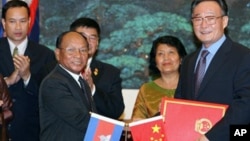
{"points": [[34, 30], [102, 128]]}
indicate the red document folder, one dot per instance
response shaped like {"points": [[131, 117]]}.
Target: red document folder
{"points": [[186, 120]]}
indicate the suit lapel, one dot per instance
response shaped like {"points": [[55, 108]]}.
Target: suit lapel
{"points": [[192, 72], [216, 63], [96, 69], [76, 89], [30, 51], [6, 60]]}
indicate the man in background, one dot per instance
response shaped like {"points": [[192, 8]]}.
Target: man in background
{"points": [[104, 79], [21, 62]]}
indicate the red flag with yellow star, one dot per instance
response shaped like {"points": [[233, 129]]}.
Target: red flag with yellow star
{"points": [[151, 129]]}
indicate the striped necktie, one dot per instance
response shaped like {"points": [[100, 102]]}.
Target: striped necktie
{"points": [[200, 70]]}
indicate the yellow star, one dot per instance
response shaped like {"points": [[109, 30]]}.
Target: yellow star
{"points": [[156, 128]]}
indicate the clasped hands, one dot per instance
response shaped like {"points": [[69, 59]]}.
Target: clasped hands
{"points": [[22, 69]]}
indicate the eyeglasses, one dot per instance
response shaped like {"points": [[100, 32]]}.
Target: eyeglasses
{"points": [[209, 20], [72, 51], [91, 38]]}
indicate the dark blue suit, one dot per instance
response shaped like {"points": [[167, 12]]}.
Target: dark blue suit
{"points": [[25, 123], [227, 81]]}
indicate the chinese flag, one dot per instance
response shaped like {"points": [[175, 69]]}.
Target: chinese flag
{"points": [[102, 128], [151, 129]]}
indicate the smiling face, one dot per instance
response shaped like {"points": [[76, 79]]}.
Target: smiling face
{"points": [[16, 24], [73, 52], [167, 59], [92, 36], [209, 33]]}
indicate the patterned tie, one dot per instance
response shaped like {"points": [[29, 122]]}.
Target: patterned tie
{"points": [[87, 94], [200, 70], [15, 52]]}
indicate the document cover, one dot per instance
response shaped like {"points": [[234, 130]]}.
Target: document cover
{"points": [[186, 120]]}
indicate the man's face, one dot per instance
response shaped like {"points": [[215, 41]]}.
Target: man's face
{"points": [[73, 52], [210, 29], [92, 36], [16, 24]]}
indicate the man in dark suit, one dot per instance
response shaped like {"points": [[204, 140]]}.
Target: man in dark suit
{"points": [[227, 69], [104, 79], [21, 72], [64, 110]]}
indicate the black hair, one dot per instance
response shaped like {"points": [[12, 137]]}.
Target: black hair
{"points": [[12, 4], [221, 3], [169, 40], [85, 22]]}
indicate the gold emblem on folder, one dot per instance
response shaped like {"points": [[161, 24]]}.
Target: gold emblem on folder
{"points": [[203, 125]]}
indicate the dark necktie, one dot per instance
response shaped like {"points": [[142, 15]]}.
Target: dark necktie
{"points": [[87, 94], [200, 70]]}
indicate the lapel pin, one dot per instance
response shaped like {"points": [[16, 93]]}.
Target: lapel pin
{"points": [[96, 71]]}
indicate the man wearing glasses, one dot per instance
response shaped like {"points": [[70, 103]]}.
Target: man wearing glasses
{"points": [[64, 99], [104, 79], [223, 74]]}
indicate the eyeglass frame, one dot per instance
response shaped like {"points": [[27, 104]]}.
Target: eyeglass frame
{"points": [[91, 38], [208, 20], [72, 51]]}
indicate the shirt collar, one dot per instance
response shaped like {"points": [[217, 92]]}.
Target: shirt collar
{"points": [[215, 46], [89, 62], [21, 47], [75, 76]]}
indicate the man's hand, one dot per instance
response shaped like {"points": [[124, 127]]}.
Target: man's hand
{"points": [[13, 78], [87, 76], [22, 64]]}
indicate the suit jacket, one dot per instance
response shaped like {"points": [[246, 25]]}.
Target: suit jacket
{"points": [[108, 94], [25, 124], [227, 81], [64, 112]]}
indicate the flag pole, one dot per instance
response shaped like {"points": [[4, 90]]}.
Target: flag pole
{"points": [[126, 131]]}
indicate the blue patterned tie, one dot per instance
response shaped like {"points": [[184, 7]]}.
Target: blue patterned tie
{"points": [[200, 70]]}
